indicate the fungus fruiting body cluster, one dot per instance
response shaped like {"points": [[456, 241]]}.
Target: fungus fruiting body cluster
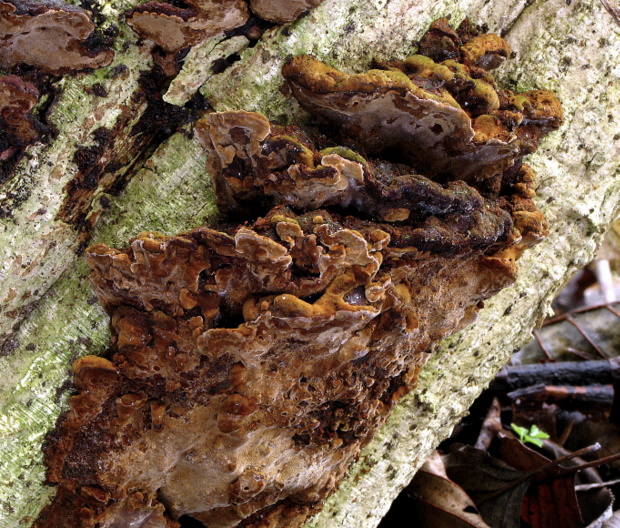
{"points": [[56, 38], [52, 37], [17, 127], [251, 362], [174, 28]]}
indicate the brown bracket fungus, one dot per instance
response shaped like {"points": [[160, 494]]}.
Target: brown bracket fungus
{"points": [[250, 364], [282, 11], [17, 128], [49, 35], [174, 28], [447, 118]]}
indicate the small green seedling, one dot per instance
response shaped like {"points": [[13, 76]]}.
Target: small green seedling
{"points": [[533, 436]]}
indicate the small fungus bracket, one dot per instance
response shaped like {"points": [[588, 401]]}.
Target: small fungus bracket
{"points": [[174, 28], [282, 11], [49, 35], [449, 119]]}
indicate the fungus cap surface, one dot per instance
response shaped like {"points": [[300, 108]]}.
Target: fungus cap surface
{"points": [[174, 28], [448, 119], [282, 11], [50, 35]]}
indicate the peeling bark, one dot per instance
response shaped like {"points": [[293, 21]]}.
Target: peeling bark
{"points": [[49, 317]]}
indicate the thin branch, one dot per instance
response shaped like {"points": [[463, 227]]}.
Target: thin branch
{"points": [[615, 13]]}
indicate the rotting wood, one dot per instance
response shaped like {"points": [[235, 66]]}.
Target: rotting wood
{"points": [[587, 396]]}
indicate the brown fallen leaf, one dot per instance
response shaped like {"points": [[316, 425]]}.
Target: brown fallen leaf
{"points": [[550, 501], [496, 488], [596, 506], [443, 504], [499, 490]]}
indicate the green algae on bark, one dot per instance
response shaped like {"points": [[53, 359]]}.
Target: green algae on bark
{"points": [[37, 192]]}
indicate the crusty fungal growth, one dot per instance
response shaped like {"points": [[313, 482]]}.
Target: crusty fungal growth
{"points": [[249, 368], [250, 364], [464, 44], [48, 34], [448, 118], [17, 128], [282, 11], [255, 163], [174, 28]]}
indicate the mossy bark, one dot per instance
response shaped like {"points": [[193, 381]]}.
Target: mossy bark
{"points": [[51, 317]]}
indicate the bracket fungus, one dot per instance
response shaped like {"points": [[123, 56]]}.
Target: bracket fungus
{"points": [[17, 128], [282, 11], [174, 28], [249, 364], [49, 35], [449, 119]]}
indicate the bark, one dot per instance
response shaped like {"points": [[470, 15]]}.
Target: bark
{"points": [[49, 316]]}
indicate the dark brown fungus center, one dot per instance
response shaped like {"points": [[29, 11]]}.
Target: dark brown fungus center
{"points": [[17, 128], [349, 269]]}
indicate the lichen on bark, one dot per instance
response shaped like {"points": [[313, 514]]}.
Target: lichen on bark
{"points": [[38, 192]]}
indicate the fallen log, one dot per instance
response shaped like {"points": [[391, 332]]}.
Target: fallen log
{"points": [[577, 190]]}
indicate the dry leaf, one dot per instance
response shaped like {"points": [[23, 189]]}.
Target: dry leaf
{"points": [[443, 504], [496, 488]]}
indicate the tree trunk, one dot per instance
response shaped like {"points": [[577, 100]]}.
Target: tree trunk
{"points": [[49, 317]]}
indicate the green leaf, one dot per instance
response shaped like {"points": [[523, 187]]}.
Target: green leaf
{"points": [[521, 431], [534, 436], [532, 440], [535, 432]]}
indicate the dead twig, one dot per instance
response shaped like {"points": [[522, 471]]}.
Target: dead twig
{"points": [[614, 12]]}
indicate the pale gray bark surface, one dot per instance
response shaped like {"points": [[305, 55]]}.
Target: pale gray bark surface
{"points": [[569, 47]]}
